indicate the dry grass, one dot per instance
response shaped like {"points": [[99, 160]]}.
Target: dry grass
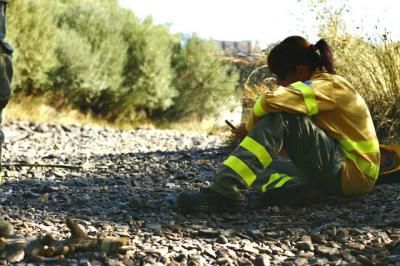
{"points": [[36, 109], [251, 91], [374, 70]]}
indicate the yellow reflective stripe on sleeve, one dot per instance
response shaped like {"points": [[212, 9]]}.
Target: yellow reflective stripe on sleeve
{"points": [[258, 110], [241, 169], [258, 150], [272, 178], [364, 146], [283, 181], [366, 167], [309, 97]]}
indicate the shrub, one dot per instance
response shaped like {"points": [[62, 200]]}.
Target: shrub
{"points": [[147, 82], [204, 81], [92, 54], [97, 57], [32, 31]]}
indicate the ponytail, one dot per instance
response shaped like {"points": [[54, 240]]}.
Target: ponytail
{"points": [[325, 56]]}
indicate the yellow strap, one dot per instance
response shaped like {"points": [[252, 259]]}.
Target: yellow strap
{"points": [[272, 178], [241, 169], [283, 181], [309, 97], [364, 146], [258, 150], [366, 167], [258, 109]]}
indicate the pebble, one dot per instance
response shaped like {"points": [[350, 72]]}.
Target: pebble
{"points": [[301, 261], [15, 256], [221, 239], [6, 229], [355, 245], [128, 189], [324, 251], [305, 245], [262, 260], [250, 249]]}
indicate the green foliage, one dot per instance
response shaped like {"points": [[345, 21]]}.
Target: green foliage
{"points": [[204, 81], [148, 74], [91, 52], [33, 34], [97, 57]]}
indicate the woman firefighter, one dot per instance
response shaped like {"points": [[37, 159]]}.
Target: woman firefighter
{"points": [[317, 118]]}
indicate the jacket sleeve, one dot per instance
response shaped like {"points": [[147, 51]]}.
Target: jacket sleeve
{"points": [[309, 98]]}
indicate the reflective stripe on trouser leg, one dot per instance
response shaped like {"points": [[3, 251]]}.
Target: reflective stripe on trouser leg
{"points": [[276, 173], [255, 153], [276, 180], [242, 167]]}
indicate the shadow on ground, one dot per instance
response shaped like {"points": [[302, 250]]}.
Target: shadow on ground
{"points": [[134, 194]]}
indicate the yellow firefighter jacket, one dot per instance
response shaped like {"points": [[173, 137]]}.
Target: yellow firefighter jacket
{"points": [[341, 113]]}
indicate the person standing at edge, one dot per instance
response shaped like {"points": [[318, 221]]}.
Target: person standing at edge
{"points": [[317, 117], [6, 69]]}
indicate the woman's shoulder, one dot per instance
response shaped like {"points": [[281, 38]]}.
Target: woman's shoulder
{"points": [[336, 80]]}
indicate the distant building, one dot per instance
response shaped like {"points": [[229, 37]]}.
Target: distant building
{"points": [[240, 48], [232, 48]]}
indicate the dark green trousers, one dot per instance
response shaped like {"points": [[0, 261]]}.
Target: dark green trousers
{"points": [[315, 160], [6, 69]]}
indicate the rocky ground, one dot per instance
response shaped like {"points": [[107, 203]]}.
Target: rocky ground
{"points": [[127, 187]]}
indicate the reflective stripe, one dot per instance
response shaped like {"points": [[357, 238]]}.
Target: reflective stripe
{"points": [[258, 110], [241, 169], [283, 181], [309, 97], [366, 167], [360, 146], [272, 178], [258, 150], [364, 146]]}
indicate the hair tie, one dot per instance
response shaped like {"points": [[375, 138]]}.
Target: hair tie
{"points": [[312, 47]]}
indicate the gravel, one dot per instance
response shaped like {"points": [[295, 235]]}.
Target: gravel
{"points": [[127, 186]]}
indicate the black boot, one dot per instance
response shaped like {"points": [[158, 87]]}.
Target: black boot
{"points": [[207, 200], [293, 195]]}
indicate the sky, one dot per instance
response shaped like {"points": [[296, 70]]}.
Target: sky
{"points": [[266, 21]]}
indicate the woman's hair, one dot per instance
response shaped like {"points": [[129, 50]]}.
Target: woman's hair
{"points": [[296, 50]]}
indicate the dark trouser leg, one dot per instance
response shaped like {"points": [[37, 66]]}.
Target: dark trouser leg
{"points": [[6, 70], [6, 73], [316, 156]]}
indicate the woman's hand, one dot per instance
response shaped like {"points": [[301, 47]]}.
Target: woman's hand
{"points": [[240, 132]]}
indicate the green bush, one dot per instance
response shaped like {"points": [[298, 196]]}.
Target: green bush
{"points": [[98, 57], [92, 53], [32, 31], [204, 81], [148, 74]]}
